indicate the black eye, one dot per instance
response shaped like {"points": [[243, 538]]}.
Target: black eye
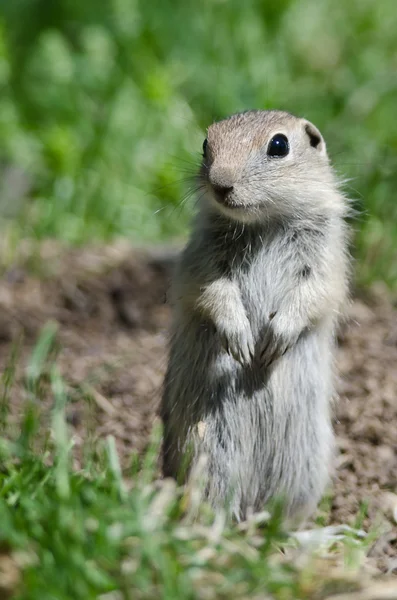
{"points": [[278, 146], [205, 144]]}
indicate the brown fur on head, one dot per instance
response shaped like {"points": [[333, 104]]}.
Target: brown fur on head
{"points": [[246, 183]]}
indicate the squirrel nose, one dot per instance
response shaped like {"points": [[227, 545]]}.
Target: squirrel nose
{"points": [[221, 190], [221, 180]]}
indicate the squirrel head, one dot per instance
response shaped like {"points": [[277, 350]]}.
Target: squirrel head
{"points": [[263, 164]]}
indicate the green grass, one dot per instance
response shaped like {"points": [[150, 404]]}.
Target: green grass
{"points": [[95, 532], [104, 107]]}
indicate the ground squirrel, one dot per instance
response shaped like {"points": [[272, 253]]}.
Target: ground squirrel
{"points": [[256, 297]]}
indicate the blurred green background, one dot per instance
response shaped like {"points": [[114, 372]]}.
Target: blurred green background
{"points": [[104, 105]]}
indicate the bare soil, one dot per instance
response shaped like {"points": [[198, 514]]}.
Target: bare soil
{"points": [[110, 306]]}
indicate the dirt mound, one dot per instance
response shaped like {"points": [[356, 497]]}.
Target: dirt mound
{"points": [[113, 319]]}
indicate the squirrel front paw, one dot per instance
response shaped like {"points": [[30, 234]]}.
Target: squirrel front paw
{"points": [[276, 342], [238, 341]]}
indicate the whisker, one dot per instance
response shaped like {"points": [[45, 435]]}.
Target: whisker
{"points": [[167, 185]]}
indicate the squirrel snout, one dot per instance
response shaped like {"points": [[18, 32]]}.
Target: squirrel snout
{"points": [[221, 190], [221, 180]]}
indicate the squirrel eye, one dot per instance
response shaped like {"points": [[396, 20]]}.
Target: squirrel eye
{"points": [[205, 144], [278, 146]]}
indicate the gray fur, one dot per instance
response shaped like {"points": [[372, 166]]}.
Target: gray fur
{"points": [[256, 299]]}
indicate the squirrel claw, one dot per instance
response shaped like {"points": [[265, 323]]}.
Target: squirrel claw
{"points": [[274, 346]]}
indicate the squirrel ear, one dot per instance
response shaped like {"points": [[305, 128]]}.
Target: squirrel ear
{"points": [[315, 137]]}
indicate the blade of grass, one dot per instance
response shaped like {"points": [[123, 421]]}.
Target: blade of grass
{"points": [[114, 466], [7, 381], [60, 433]]}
